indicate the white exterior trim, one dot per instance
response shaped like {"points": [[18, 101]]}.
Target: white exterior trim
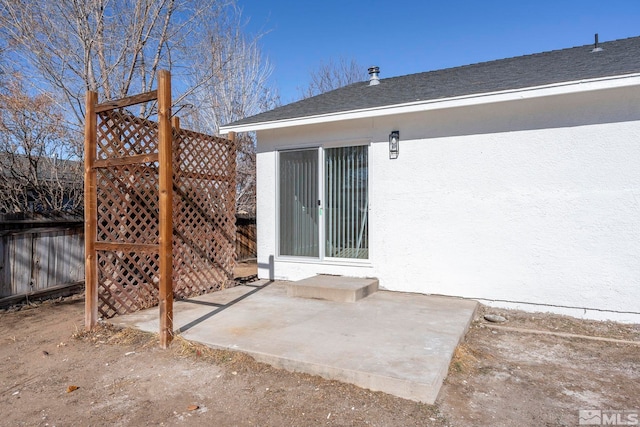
{"points": [[563, 88]]}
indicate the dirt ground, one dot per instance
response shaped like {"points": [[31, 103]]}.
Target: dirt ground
{"points": [[504, 378], [498, 378]]}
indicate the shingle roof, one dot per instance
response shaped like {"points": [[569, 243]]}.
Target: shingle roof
{"points": [[617, 57]]}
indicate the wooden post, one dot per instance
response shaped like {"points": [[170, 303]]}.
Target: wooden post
{"points": [[176, 154], [177, 148], [175, 122], [90, 213], [233, 151], [165, 136]]}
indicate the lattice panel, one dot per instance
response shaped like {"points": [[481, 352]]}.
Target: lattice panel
{"points": [[123, 135], [127, 282], [203, 213], [128, 208], [128, 212]]}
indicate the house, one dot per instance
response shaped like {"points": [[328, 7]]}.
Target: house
{"points": [[515, 182]]}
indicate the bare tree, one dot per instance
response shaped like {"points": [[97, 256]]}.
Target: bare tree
{"points": [[333, 75], [238, 87], [37, 172], [116, 47]]}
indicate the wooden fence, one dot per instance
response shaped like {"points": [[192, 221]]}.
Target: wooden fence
{"points": [[246, 247], [39, 259], [40, 256]]}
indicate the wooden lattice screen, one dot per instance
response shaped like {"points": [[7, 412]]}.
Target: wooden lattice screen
{"points": [[204, 229], [154, 210]]}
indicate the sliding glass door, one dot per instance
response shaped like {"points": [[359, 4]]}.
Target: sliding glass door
{"points": [[329, 201]]}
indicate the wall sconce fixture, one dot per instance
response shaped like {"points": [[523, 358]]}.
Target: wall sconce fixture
{"points": [[394, 144]]}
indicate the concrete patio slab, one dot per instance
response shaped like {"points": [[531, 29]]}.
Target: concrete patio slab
{"points": [[398, 343]]}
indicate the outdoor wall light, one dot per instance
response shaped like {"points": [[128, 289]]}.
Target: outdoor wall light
{"points": [[394, 144]]}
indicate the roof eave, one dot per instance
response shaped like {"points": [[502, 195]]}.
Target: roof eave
{"points": [[561, 88]]}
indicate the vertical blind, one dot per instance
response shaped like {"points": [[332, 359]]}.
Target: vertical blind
{"points": [[298, 203], [347, 203]]}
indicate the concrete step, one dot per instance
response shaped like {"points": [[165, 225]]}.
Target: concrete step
{"points": [[333, 288]]}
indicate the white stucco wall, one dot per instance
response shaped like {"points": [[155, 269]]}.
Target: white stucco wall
{"points": [[532, 204]]}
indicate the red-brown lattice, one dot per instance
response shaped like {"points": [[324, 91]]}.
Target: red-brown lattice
{"points": [[128, 212]]}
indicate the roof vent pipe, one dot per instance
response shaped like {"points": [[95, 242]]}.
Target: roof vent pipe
{"points": [[373, 76], [596, 48]]}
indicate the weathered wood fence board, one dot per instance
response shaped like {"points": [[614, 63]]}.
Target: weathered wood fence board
{"points": [[36, 259], [246, 238]]}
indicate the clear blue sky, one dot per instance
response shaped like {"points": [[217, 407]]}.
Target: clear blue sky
{"points": [[410, 36]]}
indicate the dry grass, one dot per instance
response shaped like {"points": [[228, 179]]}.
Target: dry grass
{"points": [[465, 359], [133, 337], [105, 333], [232, 359]]}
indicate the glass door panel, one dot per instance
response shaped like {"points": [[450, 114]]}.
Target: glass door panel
{"points": [[298, 186], [347, 202]]}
